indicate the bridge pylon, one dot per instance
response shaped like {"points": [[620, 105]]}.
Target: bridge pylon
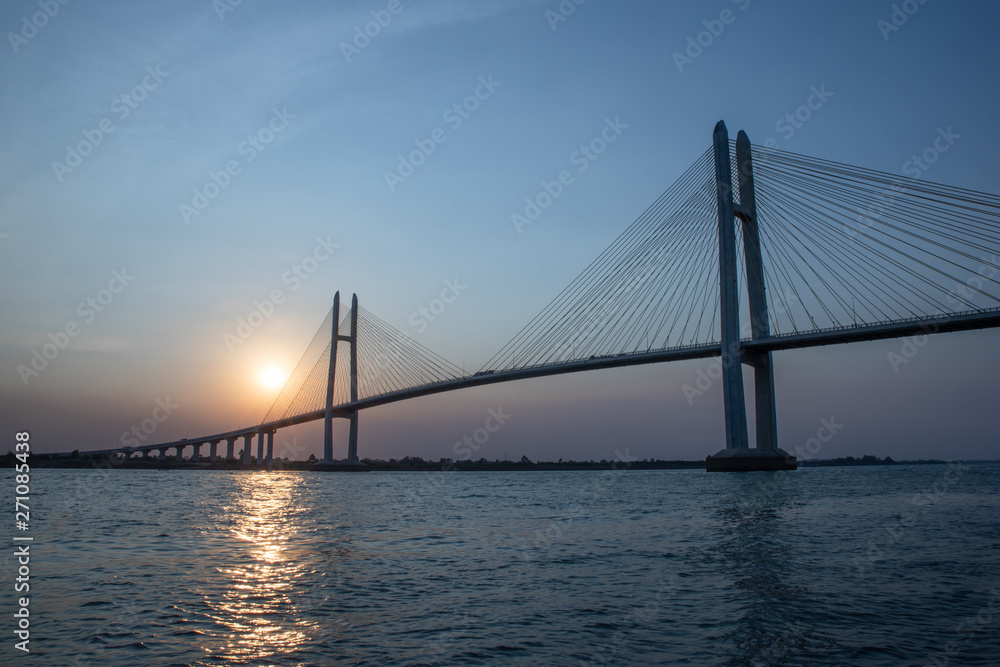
{"points": [[737, 455], [328, 462]]}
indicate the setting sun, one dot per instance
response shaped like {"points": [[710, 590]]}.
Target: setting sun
{"points": [[272, 378]]}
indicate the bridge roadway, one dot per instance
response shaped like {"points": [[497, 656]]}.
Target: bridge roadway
{"points": [[932, 324]]}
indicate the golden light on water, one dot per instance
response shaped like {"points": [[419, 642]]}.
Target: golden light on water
{"points": [[255, 608]]}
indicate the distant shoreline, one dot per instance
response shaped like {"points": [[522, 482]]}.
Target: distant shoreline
{"points": [[416, 464]]}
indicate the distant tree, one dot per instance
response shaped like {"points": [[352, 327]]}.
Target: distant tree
{"points": [[312, 457]]}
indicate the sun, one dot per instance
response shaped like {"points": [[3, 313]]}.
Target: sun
{"points": [[271, 377]]}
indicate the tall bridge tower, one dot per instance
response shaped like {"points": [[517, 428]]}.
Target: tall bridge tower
{"points": [[738, 455], [329, 413]]}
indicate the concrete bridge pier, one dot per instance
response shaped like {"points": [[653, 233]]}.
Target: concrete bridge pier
{"points": [[260, 448], [213, 450], [163, 454], [196, 454], [180, 453], [270, 447], [229, 448], [352, 438], [247, 444]]}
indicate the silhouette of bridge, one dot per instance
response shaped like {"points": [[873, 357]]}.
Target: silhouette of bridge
{"points": [[831, 254]]}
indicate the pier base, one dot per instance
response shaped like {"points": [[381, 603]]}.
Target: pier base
{"points": [[746, 460]]}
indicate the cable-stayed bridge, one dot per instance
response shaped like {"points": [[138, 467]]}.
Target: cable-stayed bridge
{"points": [[803, 252]]}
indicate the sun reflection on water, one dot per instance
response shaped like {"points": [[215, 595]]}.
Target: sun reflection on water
{"points": [[259, 608]]}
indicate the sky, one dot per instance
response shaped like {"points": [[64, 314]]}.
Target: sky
{"points": [[168, 167]]}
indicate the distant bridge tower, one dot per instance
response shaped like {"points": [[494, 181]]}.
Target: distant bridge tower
{"points": [[738, 455], [352, 462]]}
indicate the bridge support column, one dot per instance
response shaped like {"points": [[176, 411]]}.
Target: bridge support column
{"points": [[260, 448], [760, 327], [352, 443], [331, 379], [352, 462], [213, 450], [229, 448], [196, 454], [270, 446], [180, 453], [737, 456], [162, 455], [247, 445]]}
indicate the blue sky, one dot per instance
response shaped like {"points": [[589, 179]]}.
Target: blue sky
{"points": [[202, 86]]}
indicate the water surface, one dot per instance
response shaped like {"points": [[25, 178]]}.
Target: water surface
{"points": [[866, 566]]}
